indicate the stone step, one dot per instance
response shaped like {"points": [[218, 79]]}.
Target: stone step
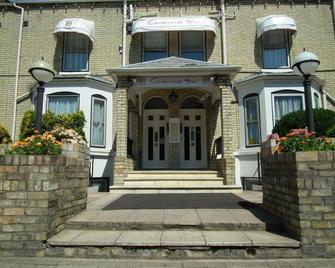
{"points": [[172, 244], [140, 188]]}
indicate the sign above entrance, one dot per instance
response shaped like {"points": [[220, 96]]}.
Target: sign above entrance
{"points": [[172, 82]]}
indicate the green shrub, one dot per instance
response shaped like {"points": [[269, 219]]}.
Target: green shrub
{"points": [[324, 120], [331, 132], [4, 135], [74, 121]]}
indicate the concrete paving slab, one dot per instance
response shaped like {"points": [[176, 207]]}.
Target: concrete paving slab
{"points": [[216, 216], [245, 216], [183, 238], [181, 217], [266, 239], [139, 238], [96, 238], [64, 237], [150, 216], [226, 238], [84, 216], [112, 216]]}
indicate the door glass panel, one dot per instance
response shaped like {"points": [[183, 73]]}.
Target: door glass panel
{"points": [[198, 143], [161, 117], [197, 117], [161, 143], [187, 143], [186, 117], [150, 143], [150, 118]]}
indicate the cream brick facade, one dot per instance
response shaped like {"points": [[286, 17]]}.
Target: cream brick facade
{"points": [[315, 32]]}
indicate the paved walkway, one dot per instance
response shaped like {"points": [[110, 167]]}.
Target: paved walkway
{"points": [[131, 263], [176, 209]]}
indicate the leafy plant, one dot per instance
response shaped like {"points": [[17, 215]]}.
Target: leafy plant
{"points": [[331, 132], [4, 135], [324, 121], [37, 144], [74, 121]]}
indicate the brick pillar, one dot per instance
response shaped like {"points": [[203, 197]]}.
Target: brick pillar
{"points": [[120, 160], [229, 128]]}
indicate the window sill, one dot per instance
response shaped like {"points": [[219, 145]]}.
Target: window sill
{"points": [[279, 70], [74, 73]]}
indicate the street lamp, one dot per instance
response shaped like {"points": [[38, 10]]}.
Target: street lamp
{"points": [[305, 64], [42, 72]]}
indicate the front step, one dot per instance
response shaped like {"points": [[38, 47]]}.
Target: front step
{"points": [[172, 244], [173, 181]]}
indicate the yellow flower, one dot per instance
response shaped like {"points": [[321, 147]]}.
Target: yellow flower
{"points": [[39, 144]]}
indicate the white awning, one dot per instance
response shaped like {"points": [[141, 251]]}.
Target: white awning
{"points": [[81, 26], [274, 22], [158, 24]]}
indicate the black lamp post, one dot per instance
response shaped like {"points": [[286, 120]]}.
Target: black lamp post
{"points": [[305, 64], [42, 72]]}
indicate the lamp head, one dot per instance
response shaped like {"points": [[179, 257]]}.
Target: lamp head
{"points": [[41, 71], [306, 63]]}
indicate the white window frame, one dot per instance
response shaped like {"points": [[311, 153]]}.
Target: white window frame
{"points": [[288, 66], [245, 99], [295, 94], [62, 95], [319, 104], [105, 115], [166, 45], [203, 44], [64, 55]]}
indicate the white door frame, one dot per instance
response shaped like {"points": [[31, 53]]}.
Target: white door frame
{"points": [[193, 163], [156, 123]]}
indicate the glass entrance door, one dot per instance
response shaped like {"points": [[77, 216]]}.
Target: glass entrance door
{"points": [[193, 139], [155, 139]]}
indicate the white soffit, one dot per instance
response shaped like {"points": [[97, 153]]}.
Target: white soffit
{"points": [[274, 22], [80, 26], [166, 24]]}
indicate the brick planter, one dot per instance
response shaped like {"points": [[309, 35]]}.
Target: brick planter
{"points": [[300, 189], [37, 195]]}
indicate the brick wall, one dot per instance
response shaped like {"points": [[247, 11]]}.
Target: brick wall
{"points": [[300, 189], [37, 195]]}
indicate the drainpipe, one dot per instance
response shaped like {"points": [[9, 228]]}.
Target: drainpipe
{"points": [[223, 34], [334, 12], [17, 69], [124, 28]]}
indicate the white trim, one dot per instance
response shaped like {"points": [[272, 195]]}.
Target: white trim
{"points": [[166, 24], [274, 22], [91, 125], [76, 25]]}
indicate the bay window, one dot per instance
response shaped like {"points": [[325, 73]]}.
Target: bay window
{"points": [[192, 45], [275, 49], [98, 122], [252, 121], [76, 50], [63, 103], [155, 45]]}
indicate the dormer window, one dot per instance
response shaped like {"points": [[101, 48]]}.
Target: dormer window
{"points": [[155, 45], [192, 45]]}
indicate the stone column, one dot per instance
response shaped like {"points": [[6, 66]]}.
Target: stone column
{"points": [[120, 160], [230, 133]]}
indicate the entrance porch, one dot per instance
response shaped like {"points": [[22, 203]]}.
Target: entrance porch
{"points": [[175, 115]]}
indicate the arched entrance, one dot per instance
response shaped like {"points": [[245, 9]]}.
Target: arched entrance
{"points": [[155, 134], [193, 144]]}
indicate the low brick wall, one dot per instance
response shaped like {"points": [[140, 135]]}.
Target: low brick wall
{"points": [[300, 189], [37, 195]]}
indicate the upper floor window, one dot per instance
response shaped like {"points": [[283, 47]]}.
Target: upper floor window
{"points": [[76, 50], [63, 103], [286, 103], [252, 121], [155, 45], [275, 49], [192, 45], [98, 122]]}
